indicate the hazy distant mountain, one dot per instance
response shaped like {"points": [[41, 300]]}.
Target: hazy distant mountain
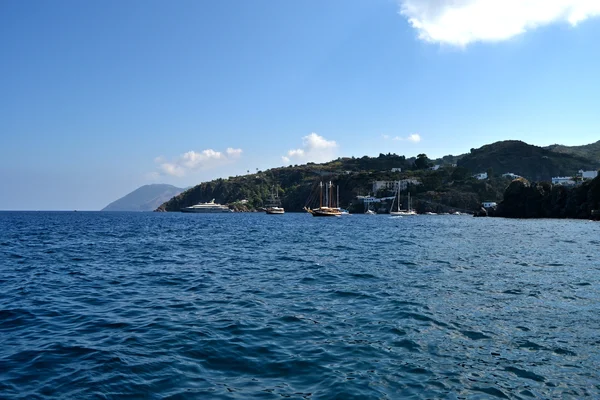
{"points": [[145, 198]]}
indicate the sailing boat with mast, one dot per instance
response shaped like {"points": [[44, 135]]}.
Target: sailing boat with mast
{"points": [[399, 212], [274, 205], [328, 210]]}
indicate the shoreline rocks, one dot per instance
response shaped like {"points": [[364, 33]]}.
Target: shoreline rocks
{"points": [[523, 199]]}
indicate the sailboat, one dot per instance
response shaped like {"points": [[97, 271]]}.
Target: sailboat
{"points": [[328, 210], [274, 205], [400, 212]]}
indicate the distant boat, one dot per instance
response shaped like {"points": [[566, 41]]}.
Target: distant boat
{"points": [[400, 212], [210, 207], [274, 204], [275, 210], [328, 210], [370, 212]]}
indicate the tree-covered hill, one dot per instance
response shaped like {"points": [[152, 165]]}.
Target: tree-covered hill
{"points": [[590, 151], [532, 162], [445, 189], [440, 190]]}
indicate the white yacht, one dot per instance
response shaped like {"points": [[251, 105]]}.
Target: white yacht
{"points": [[210, 207]]}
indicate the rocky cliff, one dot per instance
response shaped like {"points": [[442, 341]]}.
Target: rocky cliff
{"points": [[523, 199]]}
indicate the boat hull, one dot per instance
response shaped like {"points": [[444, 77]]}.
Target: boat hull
{"points": [[403, 213], [324, 212], [275, 211], [206, 211]]}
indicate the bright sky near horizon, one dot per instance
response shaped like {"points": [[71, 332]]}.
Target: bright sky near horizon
{"points": [[101, 97]]}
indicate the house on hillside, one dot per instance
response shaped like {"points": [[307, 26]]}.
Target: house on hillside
{"points": [[584, 175], [489, 204], [563, 180], [481, 176], [511, 175], [393, 185], [435, 167], [396, 169]]}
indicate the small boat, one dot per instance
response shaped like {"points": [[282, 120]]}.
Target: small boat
{"points": [[275, 210], [370, 212], [274, 205]]}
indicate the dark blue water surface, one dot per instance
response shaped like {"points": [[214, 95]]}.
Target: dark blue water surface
{"points": [[238, 306]]}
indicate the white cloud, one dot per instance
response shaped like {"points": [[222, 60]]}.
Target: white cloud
{"points": [[193, 161], [315, 148], [233, 152], [414, 137], [460, 22]]}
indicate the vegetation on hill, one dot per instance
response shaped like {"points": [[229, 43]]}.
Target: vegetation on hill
{"points": [[448, 188], [445, 189], [532, 162], [543, 200], [589, 151]]}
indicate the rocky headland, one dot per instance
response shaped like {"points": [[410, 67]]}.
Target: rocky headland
{"points": [[523, 199]]}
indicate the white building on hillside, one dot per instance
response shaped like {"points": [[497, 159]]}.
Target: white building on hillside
{"points": [[588, 174], [481, 176], [435, 167], [563, 180], [489, 204], [396, 169], [393, 185], [511, 175]]}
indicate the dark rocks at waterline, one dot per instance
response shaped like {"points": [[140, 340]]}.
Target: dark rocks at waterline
{"points": [[523, 199], [482, 212]]}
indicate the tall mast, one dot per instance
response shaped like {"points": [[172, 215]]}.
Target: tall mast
{"points": [[338, 196], [321, 199]]}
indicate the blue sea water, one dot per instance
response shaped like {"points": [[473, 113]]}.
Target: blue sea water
{"points": [[240, 306]]}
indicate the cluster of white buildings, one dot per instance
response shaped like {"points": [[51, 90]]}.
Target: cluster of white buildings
{"points": [[393, 186], [570, 180]]}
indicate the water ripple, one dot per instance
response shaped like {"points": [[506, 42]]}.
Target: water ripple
{"points": [[117, 305]]}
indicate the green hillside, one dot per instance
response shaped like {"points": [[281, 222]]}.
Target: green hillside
{"points": [[589, 151], [532, 162], [446, 189]]}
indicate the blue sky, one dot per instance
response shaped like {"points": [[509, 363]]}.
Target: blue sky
{"points": [[99, 98]]}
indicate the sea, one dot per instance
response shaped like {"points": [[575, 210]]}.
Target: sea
{"points": [[104, 305]]}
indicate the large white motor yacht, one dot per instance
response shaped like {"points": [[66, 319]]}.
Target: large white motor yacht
{"points": [[210, 207]]}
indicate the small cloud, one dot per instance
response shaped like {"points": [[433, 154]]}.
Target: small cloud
{"points": [[414, 137], [461, 22], [315, 148], [233, 152], [193, 161], [385, 137]]}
